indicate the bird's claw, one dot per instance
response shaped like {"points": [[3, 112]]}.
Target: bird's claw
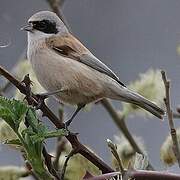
{"points": [[40, 101]]}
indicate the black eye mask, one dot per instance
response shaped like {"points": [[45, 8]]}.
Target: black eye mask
{"points": [[45, 26]]}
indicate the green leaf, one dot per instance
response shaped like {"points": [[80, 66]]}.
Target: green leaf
{"points": [[37, 131], [13, 142], [12, 111], [50, 134], [32, 118]]}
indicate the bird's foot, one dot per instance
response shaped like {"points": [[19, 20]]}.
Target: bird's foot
{"points": [[40, 100], [67, 123], [42, 96]]}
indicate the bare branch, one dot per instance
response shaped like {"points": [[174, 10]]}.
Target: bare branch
{"points": [[119, 121], [113, 148], [170, 117], [151, 175], [176, 115]]}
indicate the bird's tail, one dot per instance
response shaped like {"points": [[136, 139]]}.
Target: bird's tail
{"points": [[127, 95]]}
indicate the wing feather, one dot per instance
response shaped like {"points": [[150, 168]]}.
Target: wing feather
{"points": [[69, 46]]}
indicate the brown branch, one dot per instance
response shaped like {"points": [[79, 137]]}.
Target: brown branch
{"points": [[113, 176], [119, 121], [72, 138], [151, 175], [138, 175], [170, 117]]}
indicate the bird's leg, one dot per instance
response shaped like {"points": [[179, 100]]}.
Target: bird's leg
{"points": [[43, 96], [79, 107]]}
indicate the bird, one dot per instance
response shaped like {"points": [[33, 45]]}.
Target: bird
{"points": [[71, 72]]}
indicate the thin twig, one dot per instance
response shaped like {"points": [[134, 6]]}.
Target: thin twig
{"points": [[61, 141], [119, 121], [72, 138], [170, 117], [113, 148], [74, 151], [55, 6], [176, 115]]}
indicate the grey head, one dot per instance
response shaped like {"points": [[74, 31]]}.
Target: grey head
{"points": [[45, 22]]}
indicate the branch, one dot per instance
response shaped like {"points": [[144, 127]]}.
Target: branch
{"points": [[55, 6], [119, 121], [61, 141], [113, 148], [151, 175], [176, 115], [138, 175], [170, 117], [72, 138]]}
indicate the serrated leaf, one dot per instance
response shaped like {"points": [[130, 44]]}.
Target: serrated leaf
{"points": [[28, 131], [12, 112], [32, 118], [45, 135], [57, 133], [13, 142], [8, 116]]}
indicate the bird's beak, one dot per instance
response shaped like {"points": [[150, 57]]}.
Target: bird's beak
{"points": [[28, 27]]}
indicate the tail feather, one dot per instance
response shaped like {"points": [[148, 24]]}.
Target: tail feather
{"points": [[134, 98]]}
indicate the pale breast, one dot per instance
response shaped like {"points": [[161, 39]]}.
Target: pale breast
{"points": [[79, 83]]}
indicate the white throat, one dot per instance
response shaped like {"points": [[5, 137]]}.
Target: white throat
{"points": [[37, 36], [35, 40]]}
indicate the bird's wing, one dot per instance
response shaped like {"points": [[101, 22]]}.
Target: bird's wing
{"points": [[68, 46]]}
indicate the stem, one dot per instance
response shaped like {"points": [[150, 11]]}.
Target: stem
{"points": [[41, 171], [151, 175], [119, 121], [170, 117]]}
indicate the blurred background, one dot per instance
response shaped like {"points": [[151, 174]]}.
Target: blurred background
{"points": [[130, 37]]}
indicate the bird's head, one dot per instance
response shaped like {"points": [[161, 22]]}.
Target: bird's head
{"points": [[44, 24]]}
